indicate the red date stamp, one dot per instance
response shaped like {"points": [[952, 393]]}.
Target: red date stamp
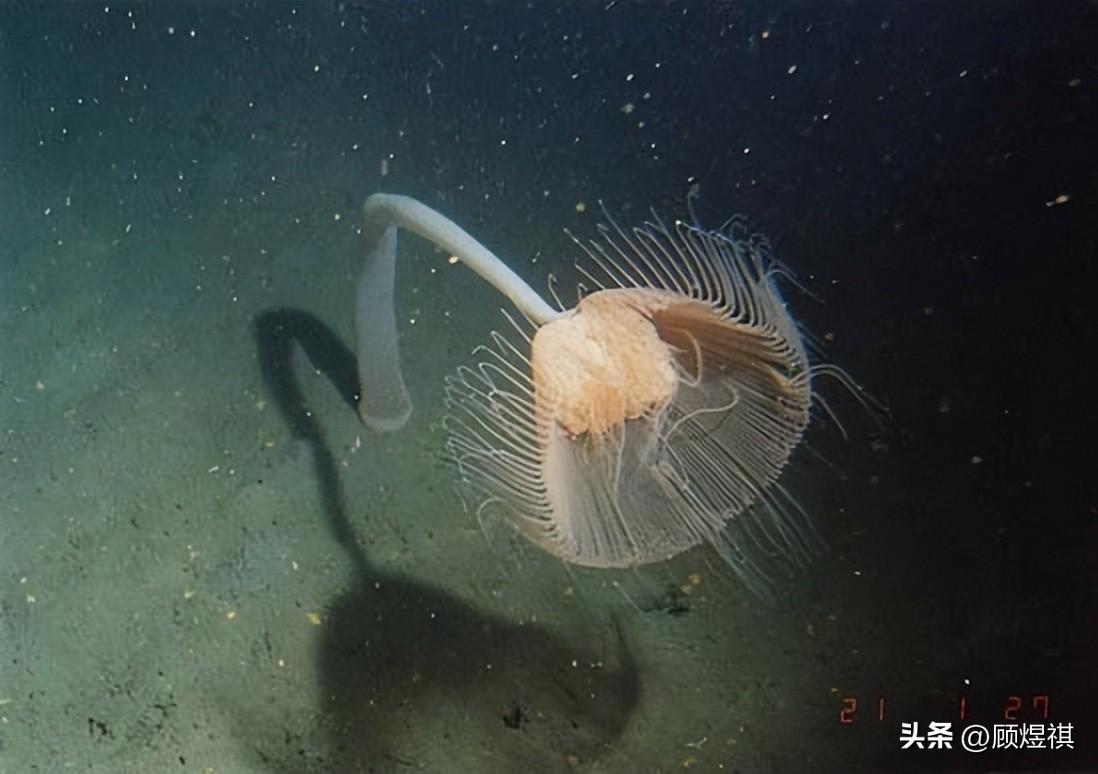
{"points": [[1011, 708]]}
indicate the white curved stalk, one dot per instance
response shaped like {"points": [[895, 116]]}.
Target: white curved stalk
{"points": [[383, 399]]}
